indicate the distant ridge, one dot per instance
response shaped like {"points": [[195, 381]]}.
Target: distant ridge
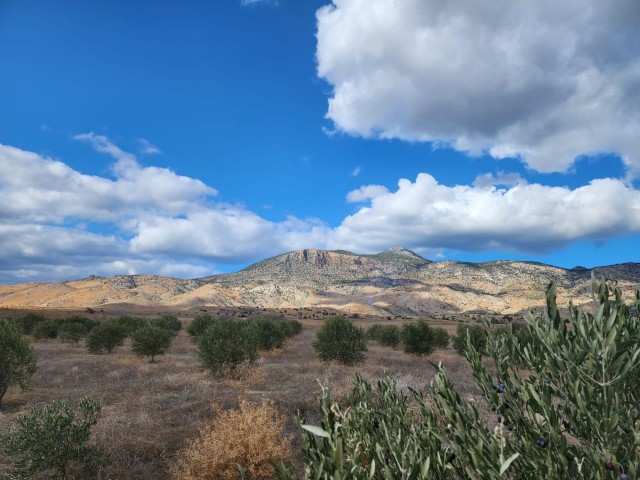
{"points": [[394, 282]]}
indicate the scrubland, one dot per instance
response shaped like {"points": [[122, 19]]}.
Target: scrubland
{"points": [[151, 411]]}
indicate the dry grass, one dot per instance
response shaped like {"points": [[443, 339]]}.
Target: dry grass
{"points": [[251, 436], [152, 411]]}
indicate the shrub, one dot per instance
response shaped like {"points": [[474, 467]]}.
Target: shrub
{"points": [[373, 332], [389, 336], [106, 337], [46, 330], [29, 321], [17, 359], [72, 332], [129, 324], [339, 339], [52, 437], [418, 338], [290, 328], [570, 410], [250, 440], [226, 344], [150, 341], [440, 338], [88, 323], [477, 337], [168, 322], [269, 333], [199, 324]]}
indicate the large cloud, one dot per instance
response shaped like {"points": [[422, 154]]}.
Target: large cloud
{"points": [[58, 223], [526, 218], [544, 80]]}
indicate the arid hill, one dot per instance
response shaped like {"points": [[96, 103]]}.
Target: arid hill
{"points": [[394, 282]]}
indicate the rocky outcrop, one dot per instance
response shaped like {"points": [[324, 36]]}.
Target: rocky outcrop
{"points": [[394, 282]]}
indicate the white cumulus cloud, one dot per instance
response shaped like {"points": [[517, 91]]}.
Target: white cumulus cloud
{"points": [[527, 218], [542, 80]]}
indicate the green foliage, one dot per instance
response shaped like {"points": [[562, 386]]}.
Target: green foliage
{"points": [[199, 324], [72, 332], [129, 324], [53, 438], [340, 340], [17, 359], [440, 338], [150, 341], [291, 328], [418, 338], [476, 334], [168, 322], [373, 332], [566, 405], [389, 336], [226, 344], [106, 337], [268, 331], [29, 321], [46, 330], [88, 323]]}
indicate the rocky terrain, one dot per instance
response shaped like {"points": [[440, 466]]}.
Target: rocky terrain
{"points": [[394, 282]]}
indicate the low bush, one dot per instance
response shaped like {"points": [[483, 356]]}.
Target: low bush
{"points": [[129, 324], [150, 341], [249, 440], [269, 333], [105, 337], [72, 332], [226, 344], [46, 330], [477, 336], [53, 438], [28, 322], [88, 323], [167, 322], [199, 324], [340, 340], [373, 332], [389, 336], [418, 338], [17, 358], [440, 338]]}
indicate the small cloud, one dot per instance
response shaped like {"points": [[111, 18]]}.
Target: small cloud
{"points": [[488, 180], [44, 127], [148, 148], [368, 192], [355, 172], [251, 3]]}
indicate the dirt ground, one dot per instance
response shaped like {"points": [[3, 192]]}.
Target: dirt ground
{"points": [[151, 410]]}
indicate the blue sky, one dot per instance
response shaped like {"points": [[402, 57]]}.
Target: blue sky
{"points": [[189, 138]]}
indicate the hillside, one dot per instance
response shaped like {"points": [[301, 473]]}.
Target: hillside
{"points": [[396, 281]]}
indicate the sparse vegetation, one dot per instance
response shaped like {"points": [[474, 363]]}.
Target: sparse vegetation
{"points": [[150, 341], [168, 322], [199, 324], [105, 337], [227, 344], [248, 440], [17, 359], [418, 338], [476, 335], [54, 438], [569, 411], [340, 340]]}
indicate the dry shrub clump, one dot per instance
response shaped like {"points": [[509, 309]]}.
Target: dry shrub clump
{"points": [[252, 437]]}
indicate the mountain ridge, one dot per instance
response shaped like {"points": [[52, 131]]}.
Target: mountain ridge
{"points": [[396, 281]]}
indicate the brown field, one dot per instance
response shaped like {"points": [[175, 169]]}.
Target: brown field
{"points": [[151, 410]]}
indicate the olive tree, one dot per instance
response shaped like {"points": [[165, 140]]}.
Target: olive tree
{"points": [[17, 358], [566, 400]]}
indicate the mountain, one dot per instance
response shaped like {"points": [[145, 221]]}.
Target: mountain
{"points": [[395, 282]]}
